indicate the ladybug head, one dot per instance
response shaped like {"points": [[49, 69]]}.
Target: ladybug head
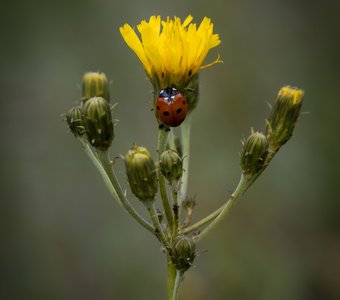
{"points": [[168, 92]]}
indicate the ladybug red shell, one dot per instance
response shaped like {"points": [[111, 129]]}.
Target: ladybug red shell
{"points": [[171, 107]]}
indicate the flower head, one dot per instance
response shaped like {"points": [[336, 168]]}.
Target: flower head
{"points": [[172, 52]]}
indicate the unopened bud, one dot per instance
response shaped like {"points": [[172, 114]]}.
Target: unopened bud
{"points": [[141, 173], [95, 85], [254, 153], [75, 121], [183, 252], [284, 115], [98, 123], [171, 165]]}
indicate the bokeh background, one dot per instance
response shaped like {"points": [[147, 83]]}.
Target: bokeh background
{"points": [[63, 237]]}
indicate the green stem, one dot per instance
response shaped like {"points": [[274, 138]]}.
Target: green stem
{"points": [[171, 277], [106, 164], [171, 140], [158, 229], [185, 130], [161, 145], [202, 222], [178, 280], [241, 188], [216, 213], [175, 210], [87, 149]]}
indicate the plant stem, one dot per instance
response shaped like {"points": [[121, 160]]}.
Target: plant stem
{"points": [[178, 280], [87, 149], [158, 229], [171, 140], [175, 210], [171, 277], [202, 222], [185, 130], [104, 162], [216, 213], [161, 145], [241, 188]]}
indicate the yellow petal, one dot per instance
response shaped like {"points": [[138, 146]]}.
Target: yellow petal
{"points": [[135, 44]]}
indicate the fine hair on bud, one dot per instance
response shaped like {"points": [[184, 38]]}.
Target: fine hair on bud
{"points": [[254, 153], [284, 115], [74, 119], [171, 166], [95, 84], [98, 123], [183, 252], [141, 173]]}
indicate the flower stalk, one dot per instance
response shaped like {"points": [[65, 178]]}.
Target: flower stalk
{"points": [[106, 163], [178, 280], [161, 146]]}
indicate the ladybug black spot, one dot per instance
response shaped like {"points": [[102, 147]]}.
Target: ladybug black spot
{"points": [[179, 110], [157, 107], [166, 113], [184, 102]]}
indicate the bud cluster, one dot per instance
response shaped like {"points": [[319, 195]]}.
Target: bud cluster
{"points": [[93, 119], [280, 125]]}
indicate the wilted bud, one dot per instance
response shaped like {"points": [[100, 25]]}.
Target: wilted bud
{"points": [[191, 92], [284, 115], [95, 85], [75, 121], [183, 252], [255, 150], [171, 165], [141, 173], [98, 123]]}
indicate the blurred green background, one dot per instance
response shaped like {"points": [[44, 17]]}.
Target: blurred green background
{"points": [[63, 237]]}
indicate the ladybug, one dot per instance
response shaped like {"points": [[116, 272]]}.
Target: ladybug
{"points": [[171, 107]]}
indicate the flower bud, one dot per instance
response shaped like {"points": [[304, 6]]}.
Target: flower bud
{"points": [[95, 85], [183, 252], [98, 123], [191, 92], [75, 121], [284, 115], [171, 165], [141, 173], [253, 156]]}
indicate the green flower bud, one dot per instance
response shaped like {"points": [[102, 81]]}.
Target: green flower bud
{"points": [[253, 156], [183, 252], [141, 173], [171, 165], [284, 115], [75, 121], [95, 85], [191, 92], [98, 123]]}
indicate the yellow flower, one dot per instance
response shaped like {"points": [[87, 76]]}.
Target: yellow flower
{"points": [[171, 52]]}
